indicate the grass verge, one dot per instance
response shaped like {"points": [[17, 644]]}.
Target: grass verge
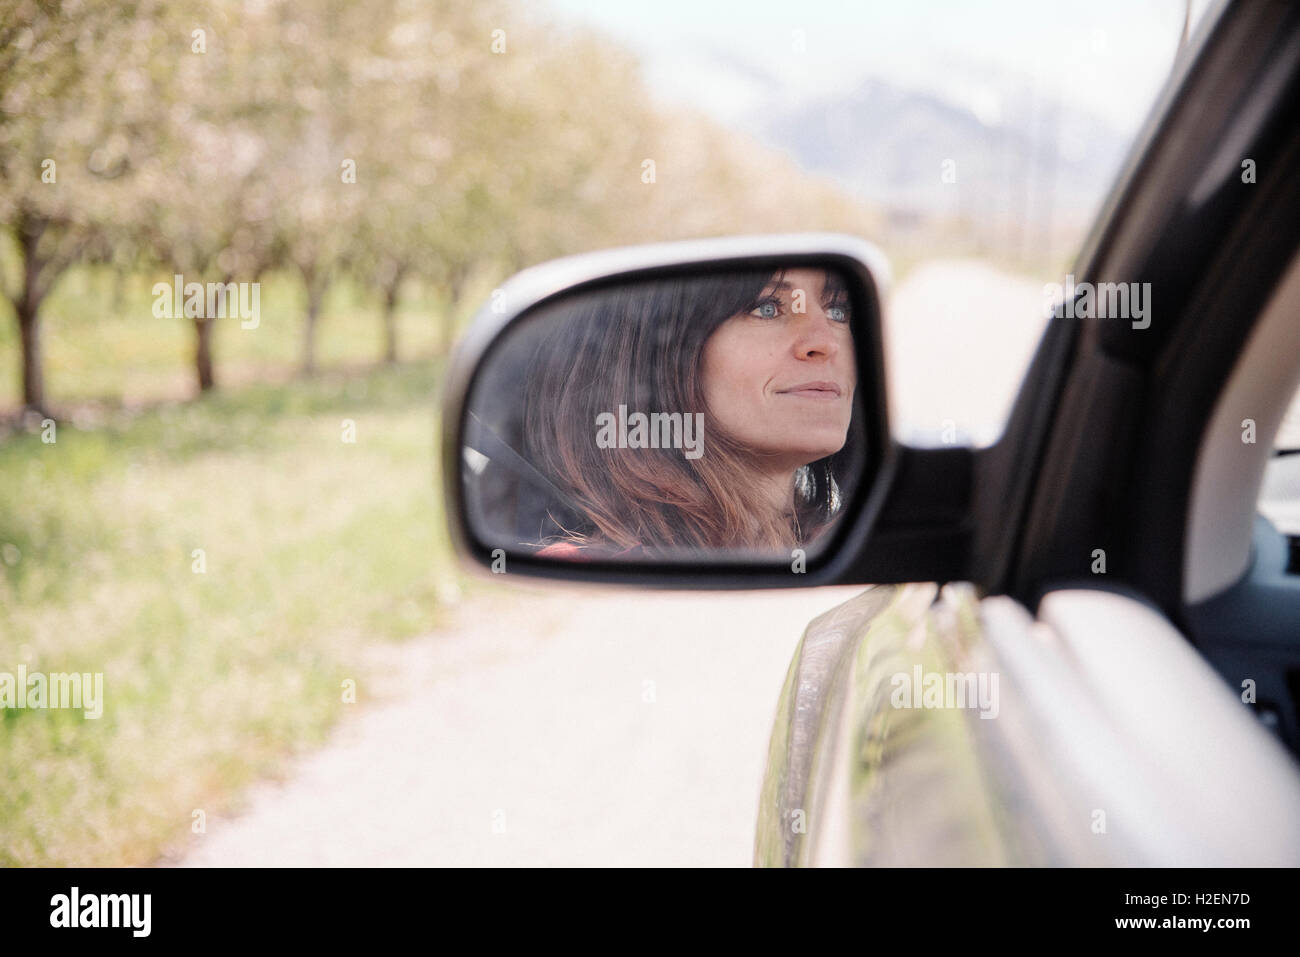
{"points": [[224, 563]]}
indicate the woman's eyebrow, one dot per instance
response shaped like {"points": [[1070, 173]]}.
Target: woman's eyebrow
{"points": [[830, 289], [834, 286]]}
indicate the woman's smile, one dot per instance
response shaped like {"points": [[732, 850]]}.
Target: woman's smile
{"points": [[821, 391]]}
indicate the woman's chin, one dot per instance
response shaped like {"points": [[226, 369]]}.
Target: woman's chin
{"points": [[822, 453], [798, 451], [813, 451], [807, 455]]}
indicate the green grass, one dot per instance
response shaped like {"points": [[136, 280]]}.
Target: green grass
{"points": [[316, 550]]}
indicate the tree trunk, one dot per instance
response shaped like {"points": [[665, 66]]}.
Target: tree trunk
{"points": [[203, 354], [28, 309], [390, 322], [455, 291], [119, 290], [314, 296], [33, 373]]}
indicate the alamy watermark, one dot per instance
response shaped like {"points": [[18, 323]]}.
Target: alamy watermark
{"points": [[654, 430], [952, 689], [1103, 300], [57, 690], [215, 300], [129, 911]]}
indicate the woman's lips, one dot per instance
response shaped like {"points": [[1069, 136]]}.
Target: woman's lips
{"points": [[813, 390]]}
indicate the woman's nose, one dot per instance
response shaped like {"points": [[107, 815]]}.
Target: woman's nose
{"points": [[815, 335]]}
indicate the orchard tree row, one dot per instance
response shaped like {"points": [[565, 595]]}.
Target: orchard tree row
{"points": [[386, 140]]}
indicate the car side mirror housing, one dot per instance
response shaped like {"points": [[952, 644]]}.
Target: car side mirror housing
{"points": [[708, 414]]}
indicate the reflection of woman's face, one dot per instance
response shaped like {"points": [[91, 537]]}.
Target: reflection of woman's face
{"points": [[780, 378]]}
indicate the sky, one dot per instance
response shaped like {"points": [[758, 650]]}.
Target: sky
{"points": [[1106, 57]]}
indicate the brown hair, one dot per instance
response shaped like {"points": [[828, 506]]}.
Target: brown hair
{"points": [[641, 346]]}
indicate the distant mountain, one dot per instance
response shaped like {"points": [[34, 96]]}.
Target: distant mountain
{"points": [[889, 145], [1031, 156]]}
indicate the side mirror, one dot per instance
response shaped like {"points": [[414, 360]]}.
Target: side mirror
{"points": [[702, 414]]}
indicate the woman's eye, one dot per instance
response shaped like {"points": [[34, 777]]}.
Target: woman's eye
{"points": [[767, 309], [838, 313]]}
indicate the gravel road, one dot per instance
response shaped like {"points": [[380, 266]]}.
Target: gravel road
{"points": [[546, 726]]}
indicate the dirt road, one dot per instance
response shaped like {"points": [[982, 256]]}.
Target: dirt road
{"points": [[546, 726]]}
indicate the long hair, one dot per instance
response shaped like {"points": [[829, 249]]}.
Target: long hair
{"points": [[642, 346]]}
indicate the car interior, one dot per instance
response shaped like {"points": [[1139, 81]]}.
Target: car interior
{"points": [[497, 470]]}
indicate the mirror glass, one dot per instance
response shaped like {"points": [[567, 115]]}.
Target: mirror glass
{"points": [[715, 415]]}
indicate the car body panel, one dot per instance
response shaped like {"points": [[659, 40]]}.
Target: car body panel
{"points": [[853, 780], [1079, 761]]}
